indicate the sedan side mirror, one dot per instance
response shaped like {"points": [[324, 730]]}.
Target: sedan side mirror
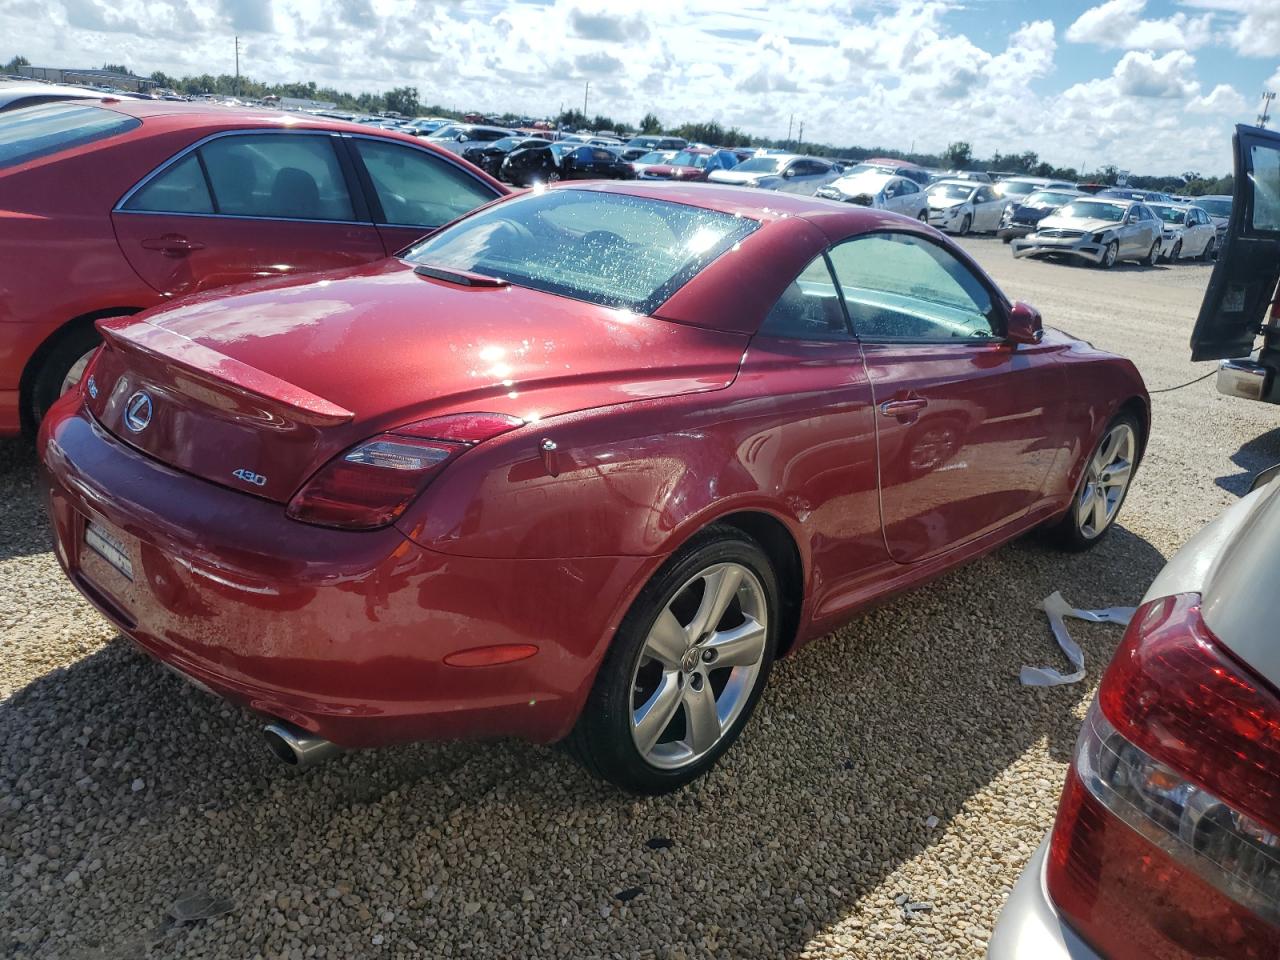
{"points": [[788, 174], [1024, 324]]}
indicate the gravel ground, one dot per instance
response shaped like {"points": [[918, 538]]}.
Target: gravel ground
{"points": [[123, 790]]}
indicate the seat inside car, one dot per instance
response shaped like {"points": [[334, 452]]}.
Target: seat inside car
{"points": [[295, 193]]}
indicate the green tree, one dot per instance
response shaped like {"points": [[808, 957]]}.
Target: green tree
{"points": [[117, 68], [13, 65], [650, 123], [403, 100], [959, 155], [572, 119]]}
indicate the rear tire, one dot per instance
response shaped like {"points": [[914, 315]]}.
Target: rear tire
{"points": [[58, 372], [1097, 500], [660, 667]]}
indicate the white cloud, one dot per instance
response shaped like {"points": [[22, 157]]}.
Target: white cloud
{"points": [[1140, 73], [1222, 100], [1119, 25], [888, 73], [1254, 29]]}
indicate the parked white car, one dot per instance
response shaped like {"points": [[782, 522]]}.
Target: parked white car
{"points": [[787, 172], [653, 158], [1187, 232], [961, 206], [1101, 231], [1016, 189], [883, 191]]}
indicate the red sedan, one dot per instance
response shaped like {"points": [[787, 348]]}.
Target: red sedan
{"points": [[113, 206], [580, 465]]}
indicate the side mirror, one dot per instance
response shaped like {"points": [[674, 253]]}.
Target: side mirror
{"points": [[1024, 324], [788, 173]]}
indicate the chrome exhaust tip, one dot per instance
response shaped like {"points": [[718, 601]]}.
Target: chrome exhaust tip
{"points": [[297, 747]]}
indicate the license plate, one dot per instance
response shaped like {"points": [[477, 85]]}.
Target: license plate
{"points": [[109, 548]]}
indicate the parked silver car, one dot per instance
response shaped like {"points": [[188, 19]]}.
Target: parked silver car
{"points": [[457, 137], [959, 206], [1167, 839], [1187, 232], [787, 172], [1102, 232], [884, 191]]}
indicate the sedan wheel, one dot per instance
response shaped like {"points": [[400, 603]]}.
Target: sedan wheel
{"points": [[1210, 250], [1103, 486], [1109, 256], [685, 668], [553, 177], [965, 224], [924, 216], [1153, 255], [1176, 253]]}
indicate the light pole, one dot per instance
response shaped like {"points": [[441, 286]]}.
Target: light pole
{"points": [[237, 66], [1267, 97]]}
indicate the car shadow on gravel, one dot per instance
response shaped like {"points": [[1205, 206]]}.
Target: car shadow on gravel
{"points": [[23, 529], [1253, 456], [123, 788]]}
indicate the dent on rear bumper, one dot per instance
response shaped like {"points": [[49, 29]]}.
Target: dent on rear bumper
{"points": [[341, 633], [1029, 927]]}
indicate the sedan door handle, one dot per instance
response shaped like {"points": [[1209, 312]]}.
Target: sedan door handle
{"points": [[903, 408], [172, 245]]}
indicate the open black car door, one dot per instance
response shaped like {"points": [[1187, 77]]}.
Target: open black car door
{"points": [[1243, 284]]}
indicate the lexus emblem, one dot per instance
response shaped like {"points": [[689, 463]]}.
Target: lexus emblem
{"points": [[137, 411]]}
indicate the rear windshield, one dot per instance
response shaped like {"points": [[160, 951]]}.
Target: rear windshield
{"points": [[607, 248], [1217, 207], [32, 132]]}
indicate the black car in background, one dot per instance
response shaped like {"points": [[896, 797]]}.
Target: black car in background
{"points": [[563, 161], [489, 156], [1020, 219]]}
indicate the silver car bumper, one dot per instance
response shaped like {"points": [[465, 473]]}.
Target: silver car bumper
{"points": [[1035, 245], [944, 222], [1029, 927]]}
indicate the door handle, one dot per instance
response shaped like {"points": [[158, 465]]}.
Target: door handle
{"points": [[172, 245], [903, 408]]}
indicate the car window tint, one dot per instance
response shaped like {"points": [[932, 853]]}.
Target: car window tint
{"points": [[1265, 180], [282, 176], [809, 309], [908, 186], [901, 287], [179, 189], [602, 156], [417, 188]]}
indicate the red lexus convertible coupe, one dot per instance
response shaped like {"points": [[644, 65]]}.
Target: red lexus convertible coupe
{"points": [[580, 465]]}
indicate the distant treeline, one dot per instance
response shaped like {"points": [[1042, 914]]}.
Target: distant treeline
{"points": [[407, 100]]}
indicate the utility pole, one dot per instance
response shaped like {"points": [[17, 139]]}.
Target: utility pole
{"points": [[800, 139], [585, 91], [237, 66], [789, 124], [1268, 97]]}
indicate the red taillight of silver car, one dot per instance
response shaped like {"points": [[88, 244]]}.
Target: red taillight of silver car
{"points": [[371, 484], [1167, 841]]}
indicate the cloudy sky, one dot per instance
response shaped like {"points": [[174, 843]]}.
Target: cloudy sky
{"points": [[1149, 85]]}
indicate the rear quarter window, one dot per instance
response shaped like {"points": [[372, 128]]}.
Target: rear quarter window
{"points": [[48, 128]]}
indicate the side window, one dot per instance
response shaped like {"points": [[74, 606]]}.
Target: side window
{"points": [[179, 189], [901, 287], [417, 188], [908, 186], [809, 309], [602, 156], [985, 195], [283, 176]]}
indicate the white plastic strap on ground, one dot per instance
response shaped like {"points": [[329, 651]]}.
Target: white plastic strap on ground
{"points": [[1057, 610]]}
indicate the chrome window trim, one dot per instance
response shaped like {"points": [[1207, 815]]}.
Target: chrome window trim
{"points": [[269, 131], [191, 148]]}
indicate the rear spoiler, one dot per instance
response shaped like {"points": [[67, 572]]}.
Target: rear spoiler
{"points": [[217, 369]]}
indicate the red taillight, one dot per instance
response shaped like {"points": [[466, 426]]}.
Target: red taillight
{"points": [[1167, 841], [370, 485]]}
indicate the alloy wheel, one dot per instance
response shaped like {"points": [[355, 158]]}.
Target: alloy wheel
{"points": [[965, 224], [76, 372], [1109, 255], [698, 666], [1106, 480], [1177, 252], [1153, 255]]}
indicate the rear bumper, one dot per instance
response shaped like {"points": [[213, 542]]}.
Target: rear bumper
{"points": [[341, 633], [1029, 927], [1036, 246]]}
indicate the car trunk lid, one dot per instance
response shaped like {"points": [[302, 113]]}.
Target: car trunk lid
{"points": [[255, 389]]}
